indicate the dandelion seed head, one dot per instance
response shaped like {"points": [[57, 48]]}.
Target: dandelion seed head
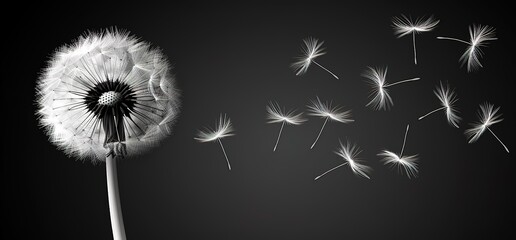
{"points": [[381, 100], [92, 96], [222, 129], [448, 98], [349, 152], [406, 164], [488, 116], [311, 49], [404, 25], [276, 114], [326, 110], [479, 37]]}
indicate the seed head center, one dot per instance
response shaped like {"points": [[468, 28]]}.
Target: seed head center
{"points": [[110, 98]]}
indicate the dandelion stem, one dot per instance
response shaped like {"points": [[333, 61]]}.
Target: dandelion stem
{"points": [[224, 151], [404, 141], [506, 149], [414, 43], [325, 69], [453, 39], [426, 115], [329, 171], [324, 124], [115, 209], [279, 135], [402, 81]]}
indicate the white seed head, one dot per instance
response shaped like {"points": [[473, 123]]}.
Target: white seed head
{"points": [[222, 129], [407, 164], [311, 49], [448, 98], [349, 152], [105, 88], [381, 100], [276, 114], [479, 37], [326, 110], [404, 25], [488, 116]]}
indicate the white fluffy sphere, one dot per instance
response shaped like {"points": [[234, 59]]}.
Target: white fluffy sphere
{"points": [[104, 91]]}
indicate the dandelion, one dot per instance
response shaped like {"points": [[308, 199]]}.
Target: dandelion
{"points": [[479, 37], [326, 111], [377, 79], [448, 98], [312, 49], [349, 153], [488, 117], [223, 129], [407, 163], [277, 115], [404, 26], [106, 96]]}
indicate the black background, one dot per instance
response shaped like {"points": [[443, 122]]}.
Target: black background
{"points": [[235, 58]]}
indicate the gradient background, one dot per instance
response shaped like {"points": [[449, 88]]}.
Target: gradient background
{"points": [[235, 58]]}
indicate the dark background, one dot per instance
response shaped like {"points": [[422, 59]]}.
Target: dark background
{"points": [[235, 58]]}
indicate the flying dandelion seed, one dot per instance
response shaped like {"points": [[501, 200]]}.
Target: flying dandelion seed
{"points": [[311, 49], [479, 37], [326, 111], [405, 163], [349, 152], [277, 115], [404, 26], [488, 117], [377, 79], [448, 98], [223, 129], [106, 96]]}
